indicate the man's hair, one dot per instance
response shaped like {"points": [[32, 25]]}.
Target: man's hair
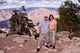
{"points": [[45, 16]]}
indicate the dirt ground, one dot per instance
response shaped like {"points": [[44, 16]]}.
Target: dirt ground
{"points": [[25, 44]]}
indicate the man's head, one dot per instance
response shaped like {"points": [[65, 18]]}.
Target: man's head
{"points": [[45, 18]]}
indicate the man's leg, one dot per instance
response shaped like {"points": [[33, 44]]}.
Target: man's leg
{"points": [[40, 42], [46, 40]]}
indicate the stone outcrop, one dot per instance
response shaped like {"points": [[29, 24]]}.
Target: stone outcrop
{"points": [[25, 44]]}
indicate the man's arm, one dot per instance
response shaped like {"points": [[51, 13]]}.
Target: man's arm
{"points": [[40, 24], [39, 29]]}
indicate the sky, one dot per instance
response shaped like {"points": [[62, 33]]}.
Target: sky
{"points": [[32, 3]]}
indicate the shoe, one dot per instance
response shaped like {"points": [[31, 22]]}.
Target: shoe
{"points": [[38, 49], [47, 46], [25, 40], [50, 46], [6, 35], [53, 47]]}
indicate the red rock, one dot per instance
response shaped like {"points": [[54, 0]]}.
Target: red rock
{"points": [[18, 40], [3, 35], [37, 14], [15, 44], [1, 51]]}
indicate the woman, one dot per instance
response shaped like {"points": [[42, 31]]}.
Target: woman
{"points": [[52, 30]]}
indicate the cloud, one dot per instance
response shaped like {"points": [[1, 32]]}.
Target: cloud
{"points": [[33, 3], [75, 1], [43, 4]]}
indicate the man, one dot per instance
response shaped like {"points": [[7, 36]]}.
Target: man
{"points": [[43, 28]]}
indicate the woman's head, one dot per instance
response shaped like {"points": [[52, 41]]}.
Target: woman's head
{"points": [[51, 17]]}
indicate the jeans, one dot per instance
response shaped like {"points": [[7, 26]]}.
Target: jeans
{"points": [[51, 37]]}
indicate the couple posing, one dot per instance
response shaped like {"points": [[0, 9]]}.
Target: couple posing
{"points": [[47, 28]]}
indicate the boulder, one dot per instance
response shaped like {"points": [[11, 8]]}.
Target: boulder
{"points": [[1, 51], [18, 40], [76, 38], [77, 44], [63, 34], [3, 35], [70, 49]]}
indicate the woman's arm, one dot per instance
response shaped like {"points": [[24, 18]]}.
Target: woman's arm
{"points": [[56, 28]]}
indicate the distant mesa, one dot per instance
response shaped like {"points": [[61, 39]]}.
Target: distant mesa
{"points": [[5, 15], [38, 14], [35, 14]]}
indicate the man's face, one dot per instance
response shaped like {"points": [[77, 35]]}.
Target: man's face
{"points": [[45, 18]]}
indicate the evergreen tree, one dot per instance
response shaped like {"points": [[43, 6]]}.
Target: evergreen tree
{"points": [[14, 21], [19, 23], [68, 19]]}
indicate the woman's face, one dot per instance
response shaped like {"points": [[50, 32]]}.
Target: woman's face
{"points": [[51, 17]]}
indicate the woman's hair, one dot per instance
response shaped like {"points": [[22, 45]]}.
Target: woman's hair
{"points": [[52, 16]]}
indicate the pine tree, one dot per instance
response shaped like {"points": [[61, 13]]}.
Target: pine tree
{"points": [[68, 20], [20, 24], [14, 21]]}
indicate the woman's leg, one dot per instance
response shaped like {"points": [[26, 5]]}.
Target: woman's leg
{"points": [[52, 39]]}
